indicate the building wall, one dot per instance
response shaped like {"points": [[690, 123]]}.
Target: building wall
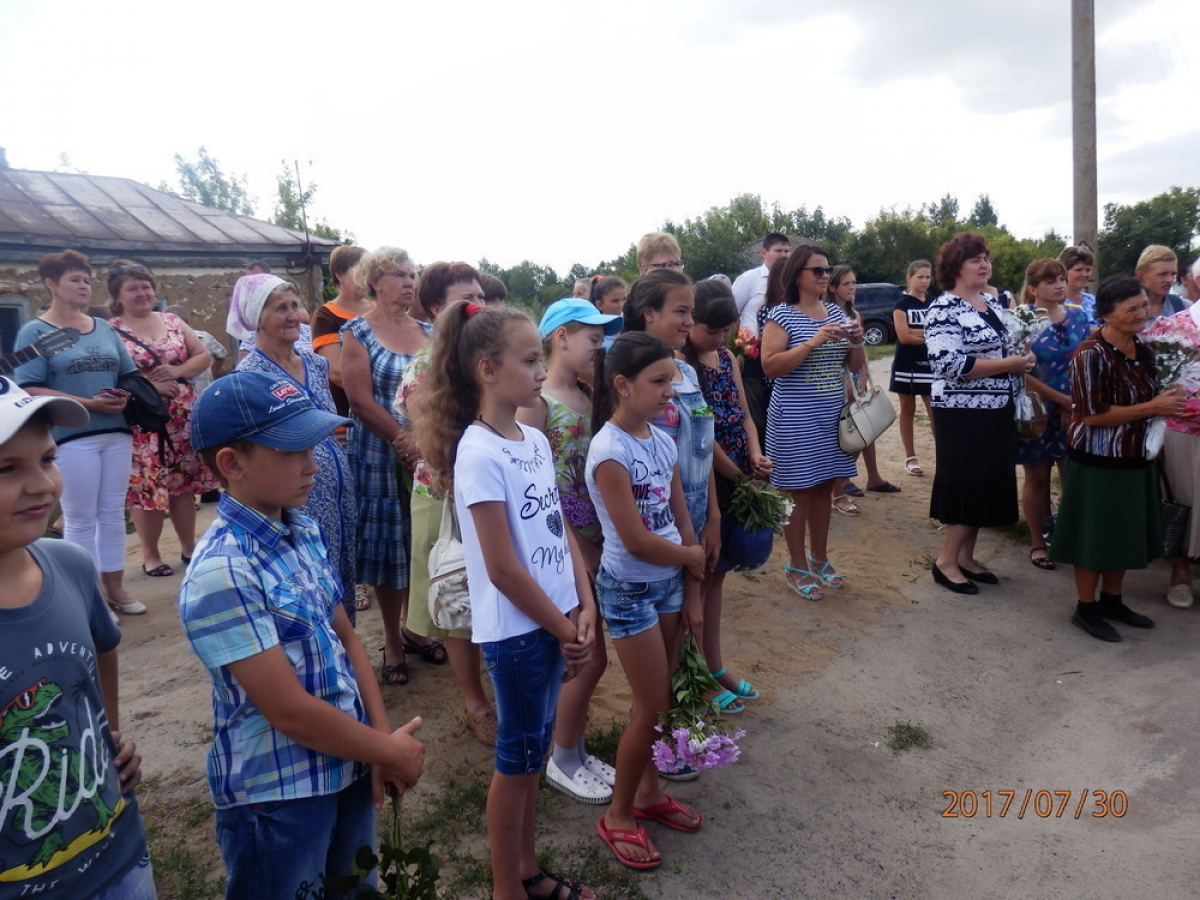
{"points": [[203, 291]]}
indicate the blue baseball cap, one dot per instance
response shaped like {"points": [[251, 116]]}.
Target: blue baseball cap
{"points": [[574, 309], [267, 409]]}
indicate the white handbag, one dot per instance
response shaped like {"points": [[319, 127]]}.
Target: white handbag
{"points": [[866, 415], [449, 599]]}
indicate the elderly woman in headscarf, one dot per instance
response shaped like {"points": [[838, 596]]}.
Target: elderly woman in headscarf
{"points": [[272, 306]]}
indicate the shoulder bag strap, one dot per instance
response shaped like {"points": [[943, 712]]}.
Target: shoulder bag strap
{"points": [[133, 337]]}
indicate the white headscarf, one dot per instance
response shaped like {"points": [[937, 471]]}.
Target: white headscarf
{"points": [[246, 304]]}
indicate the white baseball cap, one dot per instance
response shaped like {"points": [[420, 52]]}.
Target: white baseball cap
{"points": [[17, 406]]}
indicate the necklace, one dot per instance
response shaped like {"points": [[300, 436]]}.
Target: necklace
{"points": [[488, 426]]}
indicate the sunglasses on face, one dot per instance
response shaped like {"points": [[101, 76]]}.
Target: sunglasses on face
{"points": [[818, 271]]}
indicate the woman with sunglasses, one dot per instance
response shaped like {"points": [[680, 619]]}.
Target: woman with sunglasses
{"points": [[805, 342], [1046, 290], [165, 478], [975, 377]]}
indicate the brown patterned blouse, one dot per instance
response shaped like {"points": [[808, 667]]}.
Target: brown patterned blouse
{"points": [[1101, 377]]}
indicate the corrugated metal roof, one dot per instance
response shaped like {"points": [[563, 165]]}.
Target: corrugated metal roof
{"points": [[121, 214]]}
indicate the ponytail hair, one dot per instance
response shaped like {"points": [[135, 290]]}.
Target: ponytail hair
{"points": [[650, 292], [449, 396], [716, 309], [631, 352]]}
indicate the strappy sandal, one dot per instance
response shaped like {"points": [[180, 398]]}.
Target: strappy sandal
{"points": [[913, 467], [574, 891], [744, 690], [1045, 563], [729, 702], [811, 590], [433, 653], [849, 509], [824, 571], [392, 676]]}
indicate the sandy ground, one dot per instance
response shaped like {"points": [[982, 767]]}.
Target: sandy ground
{"points": [[1013, 696]]}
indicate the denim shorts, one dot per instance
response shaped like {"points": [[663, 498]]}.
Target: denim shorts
{"points": [[279, 850], [631, 607], [526, 672]]}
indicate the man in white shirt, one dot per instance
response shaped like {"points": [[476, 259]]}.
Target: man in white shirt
{"points": [[749, 292], [750, 289]]}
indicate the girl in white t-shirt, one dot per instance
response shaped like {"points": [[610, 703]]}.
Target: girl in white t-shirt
{"points": [[649, 551], [531, 606]]}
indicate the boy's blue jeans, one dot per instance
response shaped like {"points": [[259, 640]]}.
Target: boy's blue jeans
{"points": [[280, 850]]}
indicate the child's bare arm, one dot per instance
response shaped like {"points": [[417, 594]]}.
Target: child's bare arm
{"points": [[127, 760], [368, 687], [271, 683]]}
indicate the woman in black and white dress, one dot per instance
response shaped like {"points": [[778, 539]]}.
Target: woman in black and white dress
{"points": [[911, 375], [974, 382]]}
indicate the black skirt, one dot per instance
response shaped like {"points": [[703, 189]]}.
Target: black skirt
{"points": [[976, 479]]}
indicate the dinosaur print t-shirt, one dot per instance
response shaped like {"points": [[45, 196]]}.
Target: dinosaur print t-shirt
{"points": [[65, 828]]}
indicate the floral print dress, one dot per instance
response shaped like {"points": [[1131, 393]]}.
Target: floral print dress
{"points": [[730, 421], [569, 434], [1054, 346], [154, 482]]}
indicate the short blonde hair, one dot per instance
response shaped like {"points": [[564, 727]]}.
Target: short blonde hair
{"points": [[376, 264], [656, 243], [1155, 253]]}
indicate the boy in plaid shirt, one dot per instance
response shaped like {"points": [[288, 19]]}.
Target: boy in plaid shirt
{"points": [[302, 747]]}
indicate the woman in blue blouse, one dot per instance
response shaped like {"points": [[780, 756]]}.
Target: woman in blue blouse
{"points": [[1046, 290], [974, 380]]}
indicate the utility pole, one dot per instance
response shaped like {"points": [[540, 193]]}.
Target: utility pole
{"points": [[1083, 124]]}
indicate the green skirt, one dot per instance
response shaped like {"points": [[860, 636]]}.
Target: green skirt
{"points": [[426, 523], [1109, 519]]}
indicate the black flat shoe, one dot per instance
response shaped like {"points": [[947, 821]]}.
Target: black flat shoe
{"points": [[959, 587], [1088, 617], [1111, 607], [980, 577]]}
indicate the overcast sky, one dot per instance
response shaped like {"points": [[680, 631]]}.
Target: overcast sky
{"points": [[560, 132]]}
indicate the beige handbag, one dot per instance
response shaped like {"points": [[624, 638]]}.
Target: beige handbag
{"points": [[866, 415]]}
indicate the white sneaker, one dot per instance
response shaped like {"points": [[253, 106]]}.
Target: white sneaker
{"points": [[583, 786], [1180, 596], [134, 608], [601, 769]]}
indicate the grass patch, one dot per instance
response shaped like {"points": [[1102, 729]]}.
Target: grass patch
{"points": [[1017, 532], [179, 832], [906, 736], [602, 742], [883, 351]]}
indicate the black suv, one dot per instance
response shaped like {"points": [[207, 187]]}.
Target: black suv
{"points": [[875, 303]]}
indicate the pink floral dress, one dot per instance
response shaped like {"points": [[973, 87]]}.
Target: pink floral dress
{"points": [[153, 484]]}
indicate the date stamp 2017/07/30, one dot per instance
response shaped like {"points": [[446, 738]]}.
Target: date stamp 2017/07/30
{"points": [[1031, 803]]}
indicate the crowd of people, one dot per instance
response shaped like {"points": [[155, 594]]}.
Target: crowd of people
{"points": [[587, 462]]}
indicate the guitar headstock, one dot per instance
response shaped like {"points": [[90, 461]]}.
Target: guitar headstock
{"points": [[56, 341]]}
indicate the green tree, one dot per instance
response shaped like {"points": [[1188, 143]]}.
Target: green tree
{"points": [[292, 204], [1171, 218], [944, 211], [889, 242], [204, 182], [983, 213]]}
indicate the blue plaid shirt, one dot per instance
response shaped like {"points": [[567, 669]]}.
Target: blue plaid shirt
{"points": [[254, 584]]}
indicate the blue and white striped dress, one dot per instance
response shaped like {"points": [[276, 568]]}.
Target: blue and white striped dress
{"points": [[802, 420]]}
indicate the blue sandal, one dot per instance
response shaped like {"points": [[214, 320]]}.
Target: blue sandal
{"points": [[824, 571], [810, 591], [744, 690], [729, 703]]}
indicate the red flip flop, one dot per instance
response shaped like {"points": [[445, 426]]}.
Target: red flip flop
{"points": [[659, 812], [635, 838]]}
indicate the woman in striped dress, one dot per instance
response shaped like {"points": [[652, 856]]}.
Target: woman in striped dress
{"points": [[376, 349], [805, 343]]}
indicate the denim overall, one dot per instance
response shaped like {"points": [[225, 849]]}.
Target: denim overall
{"points": [[693, 436]]}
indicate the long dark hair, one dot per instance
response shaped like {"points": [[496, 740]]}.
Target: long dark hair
{"points": [[836, 277], [794, 265], [715, 308], [631, 352]]}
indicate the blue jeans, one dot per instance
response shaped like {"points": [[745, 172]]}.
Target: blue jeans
{"points": [[631, 607], [280, 849], [526, 673], [136, 884]]}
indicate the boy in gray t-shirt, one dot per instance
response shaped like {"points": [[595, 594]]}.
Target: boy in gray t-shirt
{"points": [[69, 822]]}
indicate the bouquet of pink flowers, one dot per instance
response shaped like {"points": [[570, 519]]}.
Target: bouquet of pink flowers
{"points": [[745, 343], [1173, 342], [691, 733]]}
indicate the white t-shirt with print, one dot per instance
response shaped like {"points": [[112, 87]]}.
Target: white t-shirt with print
{"points": [[650, 463], [519, 474]]}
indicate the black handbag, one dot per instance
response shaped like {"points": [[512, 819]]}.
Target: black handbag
{"points": [[146, 410], [1175, 518]]}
